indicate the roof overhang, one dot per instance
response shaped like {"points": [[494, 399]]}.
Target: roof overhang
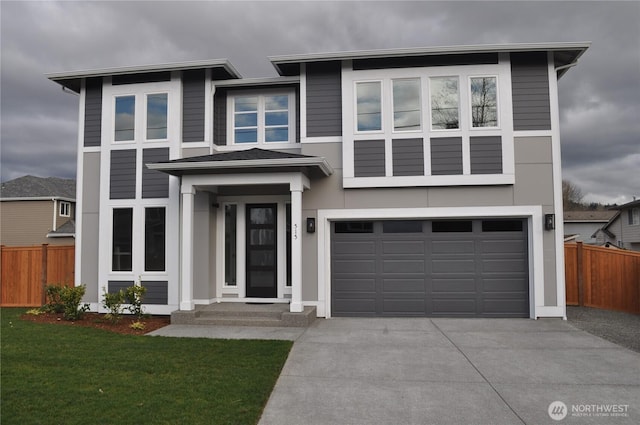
{"points": [[311, 166], [72, 80], [565, 54]]}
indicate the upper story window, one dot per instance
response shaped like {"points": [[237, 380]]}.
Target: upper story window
{"points": [[407, 114], [65, 209], [259, 118], [369, 106], [445, 99], [484, 101], [157, 116], [634, 216], [125, 118]]}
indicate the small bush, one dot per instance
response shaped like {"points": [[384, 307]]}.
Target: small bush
{"points": [[139, 326], [113, 302], [35, 312], [54, 302], [135, 295], [71, 296]]}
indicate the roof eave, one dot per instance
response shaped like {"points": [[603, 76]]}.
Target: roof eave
{"points": [[318, 162]]}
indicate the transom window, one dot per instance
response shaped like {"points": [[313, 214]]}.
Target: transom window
{"points": [[262, 118]]}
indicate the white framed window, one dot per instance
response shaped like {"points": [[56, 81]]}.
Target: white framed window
{"points": [[445, 103], [634, 216], [368, 106], [156, 110], [266, 117], [407, 109], [484, 101], [65, 209], [155, 239], [140, 117], [125, 118]]}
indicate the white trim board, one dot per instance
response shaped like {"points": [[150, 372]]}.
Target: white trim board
{"points": [[535, 236]]}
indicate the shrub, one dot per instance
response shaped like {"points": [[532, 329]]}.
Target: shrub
{"points": [[135, 295], [71, 297], [139, 326], [54, 303], [35, 312], [113, 302]]}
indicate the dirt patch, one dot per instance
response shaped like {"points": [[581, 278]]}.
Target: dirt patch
{"points": [[99, 321]]}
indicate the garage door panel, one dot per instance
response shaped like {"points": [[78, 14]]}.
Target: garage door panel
{"points": [[354, 247], [453, 285], [508, 284], [452, 247], [355, 266], [501, 246], [404, 307], [403, 247], [448, 306], [402, 266], [403, 285], [464, 265], [503, 265], [355, 285]]}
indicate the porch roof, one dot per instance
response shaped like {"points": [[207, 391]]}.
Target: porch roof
{"points": [[246, 161]]}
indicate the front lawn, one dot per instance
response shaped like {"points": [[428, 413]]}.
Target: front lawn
{"points": [[66, 375]]}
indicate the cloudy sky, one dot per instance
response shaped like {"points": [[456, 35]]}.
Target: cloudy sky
{"points": [[599, 99]]}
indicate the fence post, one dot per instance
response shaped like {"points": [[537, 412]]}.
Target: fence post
{"points": [[580, 273], [43, 278]]}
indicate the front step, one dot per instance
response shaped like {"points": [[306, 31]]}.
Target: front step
{"points": [[240, 314]]}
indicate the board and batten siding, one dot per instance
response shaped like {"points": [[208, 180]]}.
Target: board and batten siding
{"points": [[122, 176], [530, 91], [193, 105], [446, 156], [324, 99], [220, 117], [93, 112], [486, 154], [155, 184], [368, 158], [408, 157]]}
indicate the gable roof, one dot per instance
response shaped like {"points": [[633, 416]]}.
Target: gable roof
{"points": [[634, 203], [38, 187], [249, 160], [588, 216], [565, 54]]}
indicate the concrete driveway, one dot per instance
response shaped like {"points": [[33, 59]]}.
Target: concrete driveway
{"points": [[454, 371]]}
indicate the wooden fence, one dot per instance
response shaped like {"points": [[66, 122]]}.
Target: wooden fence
{"points": [[602, 277], [24, 272]]}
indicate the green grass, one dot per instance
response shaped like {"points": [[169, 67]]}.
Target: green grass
{"points": [[55, 374]]}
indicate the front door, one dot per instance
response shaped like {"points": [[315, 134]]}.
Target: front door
{"points": [[261, 250]]}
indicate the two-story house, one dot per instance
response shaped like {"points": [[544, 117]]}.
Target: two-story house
{"points": [[623, 228], [407, 182]]}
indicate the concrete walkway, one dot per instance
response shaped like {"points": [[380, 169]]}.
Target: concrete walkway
{"points": [[451, 371], [444, 371]]}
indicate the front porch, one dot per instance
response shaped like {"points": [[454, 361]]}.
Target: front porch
{"points": [[244, 314]]}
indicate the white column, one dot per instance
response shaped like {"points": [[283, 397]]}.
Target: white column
{"points": [[296, 249], [186, 259]]}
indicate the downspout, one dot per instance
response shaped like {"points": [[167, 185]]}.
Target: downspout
{"points": [[55, 209]]}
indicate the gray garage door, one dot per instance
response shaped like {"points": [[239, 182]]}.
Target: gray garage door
{"points": [[448, 268]]}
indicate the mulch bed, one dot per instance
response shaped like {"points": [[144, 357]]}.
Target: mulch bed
{"points": [[98, 321]]}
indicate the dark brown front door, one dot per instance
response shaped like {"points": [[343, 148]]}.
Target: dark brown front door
{"points": [[261, 250]]}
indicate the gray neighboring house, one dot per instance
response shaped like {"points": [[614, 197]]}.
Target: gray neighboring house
{"points": [[37, 210], [580, 226], [403, 182], [623, 229]]}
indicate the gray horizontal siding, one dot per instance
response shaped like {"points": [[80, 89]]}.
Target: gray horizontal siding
{"points": [[220, 117], [530, 91], [324, 101], [193, 101], [486, 155], [155, 184], [93, 112], [157, 292], [408, 157], [368, 158], [122, 175], [446, 156], [117, 285]]}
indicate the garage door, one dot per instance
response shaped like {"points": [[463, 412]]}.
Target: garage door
{"points": [[448, 268]]}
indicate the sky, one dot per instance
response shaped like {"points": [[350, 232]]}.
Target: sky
{"points": [[599, 98]]}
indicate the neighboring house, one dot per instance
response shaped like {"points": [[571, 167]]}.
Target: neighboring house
{"points": [[580, 226], [408, 182], [623, 229], [36, 210]]}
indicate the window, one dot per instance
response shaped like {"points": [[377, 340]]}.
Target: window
{"points": [[444, 103], [484, 102], [125, 118], [263, 118], [157, 116], [406, 105], [354, 227], [409, 226], [122, 239], [65, 209], [369, 106], [502, 225], [154, 239], [447, 226], [634, 216], [230, 217]]}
